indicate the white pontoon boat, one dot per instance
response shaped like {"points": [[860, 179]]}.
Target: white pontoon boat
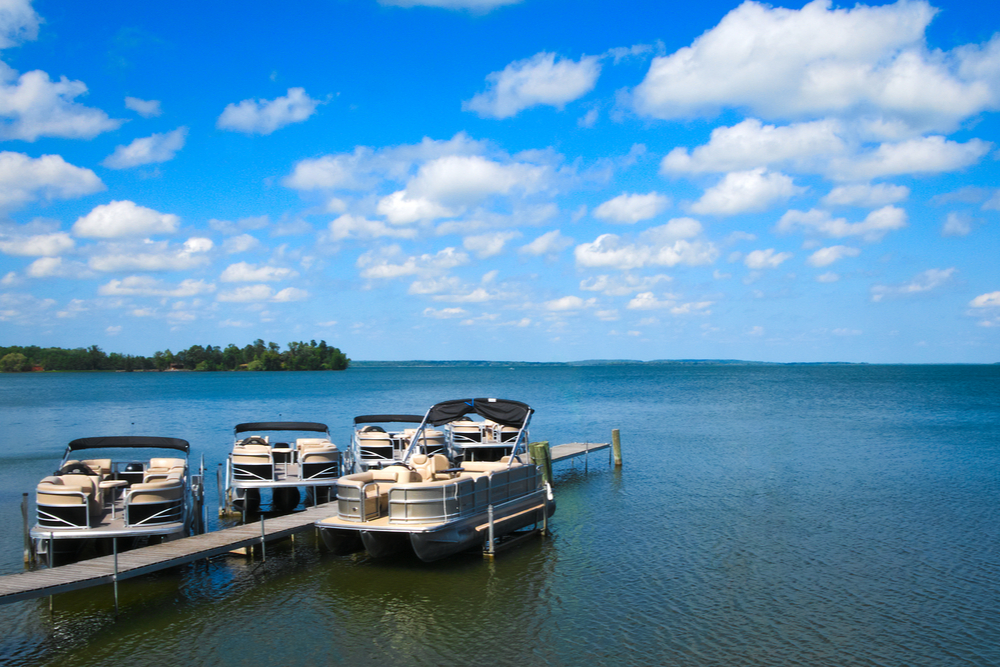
{"points": [[116, 497], [275, 456], [382, 440], [438, 506]]}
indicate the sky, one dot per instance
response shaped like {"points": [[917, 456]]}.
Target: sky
{"points": [[524, 180]]}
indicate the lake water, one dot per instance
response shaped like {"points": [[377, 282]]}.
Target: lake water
{"points": [[765, 515]]}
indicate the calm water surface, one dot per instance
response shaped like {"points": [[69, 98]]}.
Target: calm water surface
{"points": [[772, 515]]}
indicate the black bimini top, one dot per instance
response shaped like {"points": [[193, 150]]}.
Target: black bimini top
{"points": [[130, 441], [507, 413], [377, 419], [282, 426]]}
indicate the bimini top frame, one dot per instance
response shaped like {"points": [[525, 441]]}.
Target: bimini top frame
{"points": [[504, 412], [134, 441], [378, 419], [281, 426]]}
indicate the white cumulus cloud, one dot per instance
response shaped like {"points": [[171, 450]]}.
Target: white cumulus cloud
{"points": [[821, 61], [541, 79], [743, 191], [358, 227], [827, 256], [488, 245], [147, 150], [148, 286], [765, 259], [549, 243], [243, 272], [38, 245], [988, 300], [266, 116], [24, 179], [866, 195], [122, 219], [925, 281], [668, 245], [751, 144], [631, 208], [145, 108], [875, 225]]}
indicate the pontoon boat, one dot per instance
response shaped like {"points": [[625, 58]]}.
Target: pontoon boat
{"points": [[438, 506], [117, 498], [275, 456]]}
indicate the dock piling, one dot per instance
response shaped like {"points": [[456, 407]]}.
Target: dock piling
{"points": [[616, 447], [29, 552], [114, 577], [263, 548], [540, 456]]}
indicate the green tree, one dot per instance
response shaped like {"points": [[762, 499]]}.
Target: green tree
{"points": [[15, 362]]}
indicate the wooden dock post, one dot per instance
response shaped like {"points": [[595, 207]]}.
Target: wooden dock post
{"points": [[539, 452], [29, 552], [616, 447]]}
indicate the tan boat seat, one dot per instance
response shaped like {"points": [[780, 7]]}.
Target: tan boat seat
{"points": [[429, 466], [102, 467], [159, 490], [70, 490], [397, 474]]}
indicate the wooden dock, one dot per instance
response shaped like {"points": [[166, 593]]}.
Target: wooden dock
{"points": [[575, 449], [137, 562]]}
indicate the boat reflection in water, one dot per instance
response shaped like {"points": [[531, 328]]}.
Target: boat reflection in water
{"points": [[439, 504]]}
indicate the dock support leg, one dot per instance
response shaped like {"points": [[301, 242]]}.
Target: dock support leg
{"points": [[490, 550], [616, 447], [263, 548], [29, 551], [114, 577]]}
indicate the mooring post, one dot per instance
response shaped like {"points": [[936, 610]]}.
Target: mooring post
{"points": [[540, 456], [616, 447], [114, 578], [263, 548], [29, 555], [489, 511]]}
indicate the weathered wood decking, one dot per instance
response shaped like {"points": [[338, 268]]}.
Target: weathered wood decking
{"points": [[96, 571], [574, 449], [39, 583]]}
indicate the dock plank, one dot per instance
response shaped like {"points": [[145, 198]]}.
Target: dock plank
{"points": [[574, 449], [137, 562]]}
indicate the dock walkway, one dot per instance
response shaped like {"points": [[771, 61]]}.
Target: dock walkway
{"points": [[573, 449], [137, 562]]}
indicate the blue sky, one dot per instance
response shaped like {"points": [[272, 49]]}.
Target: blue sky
{"points": [[539, 180]]}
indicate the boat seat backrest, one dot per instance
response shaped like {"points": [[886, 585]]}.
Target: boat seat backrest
{"points": [[156, 491], [427, 466], [252, 454], [319, 455], [102, 467], [307, 443], [165, 464], [57, 491], [397, 474]]}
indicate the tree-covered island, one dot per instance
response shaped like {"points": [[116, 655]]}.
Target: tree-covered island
{"points": [[258, 356]]}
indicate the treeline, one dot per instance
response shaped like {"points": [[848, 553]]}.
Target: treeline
{"points": [[258, 356]]}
